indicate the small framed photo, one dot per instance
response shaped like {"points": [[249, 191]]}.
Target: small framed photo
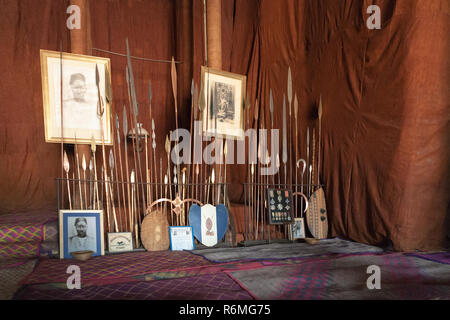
{"points": [[79, 118], [222, 104], [297, 229], [181, 238], [120, 242], [80, 230]]}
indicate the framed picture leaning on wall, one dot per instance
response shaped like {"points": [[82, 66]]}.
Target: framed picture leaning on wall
{"points": [[222, 103], [79, 119], [80, 230]]}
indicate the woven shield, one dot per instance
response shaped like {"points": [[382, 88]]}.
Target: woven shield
{"points": [[155, 231]]}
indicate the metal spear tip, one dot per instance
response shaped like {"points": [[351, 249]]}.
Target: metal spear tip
{"points": [[212, 176], [271, 100], [111, 159], [66, 163], [165, 179], [132, 176], [289, 88], [192, 87], [83, 163], [93, 146], [295, 106], [90, 165]]}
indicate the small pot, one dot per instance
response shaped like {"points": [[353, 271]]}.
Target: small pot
{"points": [[311, 240], [82, 255]]}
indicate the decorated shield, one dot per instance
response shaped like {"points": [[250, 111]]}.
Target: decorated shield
{"points": [[209, 223]]}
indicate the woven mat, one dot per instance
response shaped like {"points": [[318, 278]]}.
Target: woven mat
{"points": [[441, 257], [345, 278], [217, 286], [286, 250], [104, 269], [10, 277]]}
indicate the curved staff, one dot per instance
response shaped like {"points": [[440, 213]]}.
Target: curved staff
{"points": [[303, 172], [296, 147]]}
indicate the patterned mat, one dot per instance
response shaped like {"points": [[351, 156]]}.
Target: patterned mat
{"points": [[10, 277], [216, 286], [345, 278], [107, 269], [22, 233], [333, 246], [441, 257]]}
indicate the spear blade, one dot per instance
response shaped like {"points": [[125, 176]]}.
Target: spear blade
{"points": [[117, 129], [125, 122], [66, 163], [289, 89], [284, 156], [111, 160]]}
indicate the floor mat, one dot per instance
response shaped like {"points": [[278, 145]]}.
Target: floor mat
{"points": [[441, 257], [345, 278], [217, 286], [12, 272], [286, 250], [99, 270]]}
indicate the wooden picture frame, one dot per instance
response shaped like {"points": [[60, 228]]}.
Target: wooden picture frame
{"points": [[181, 238], [120, 242], [80, 96], [222, 104], [80, 230]]}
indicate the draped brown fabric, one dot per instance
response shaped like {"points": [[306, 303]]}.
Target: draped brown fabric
{"points": [[385, 126]]}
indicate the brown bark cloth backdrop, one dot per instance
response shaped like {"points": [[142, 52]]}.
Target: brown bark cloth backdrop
{"points": [[385, 125]]}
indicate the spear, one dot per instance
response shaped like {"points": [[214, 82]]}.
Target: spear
{"points": [[167, 147], [307, 158], [296, 147], [66, 169], [154, 157], [161, 179], [318, 142], [313, 157], [125, 132], [135, 112], [225, 151], [83, 165], [284, 158], [213, 180], [79, 175], [111, 167], [173, 74], [91, 192], [190, 171], [183, 181], [150, 169], [93, 149], [289, 91], [100, 113], [120, 163]]}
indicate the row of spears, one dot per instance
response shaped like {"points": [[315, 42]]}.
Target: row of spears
{"points": [[292, 172], [128, 196], [127, 192]]}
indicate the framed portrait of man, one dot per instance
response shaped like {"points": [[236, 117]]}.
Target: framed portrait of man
{"points": [[80, 230], [79, 116], [222, 103]]}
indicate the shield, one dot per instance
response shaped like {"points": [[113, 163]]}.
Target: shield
{"points": [[209, 223]]}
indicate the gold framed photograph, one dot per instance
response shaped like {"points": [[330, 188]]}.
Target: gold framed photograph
{"points": [[222, 104], [80, 119]]}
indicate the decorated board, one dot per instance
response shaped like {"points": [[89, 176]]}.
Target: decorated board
{"points": [[280, 206], [209, 223]]}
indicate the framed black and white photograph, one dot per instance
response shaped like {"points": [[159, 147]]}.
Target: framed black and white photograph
{"points": [[297, 229], [80, 118], [223, 103], [80, 230]]}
